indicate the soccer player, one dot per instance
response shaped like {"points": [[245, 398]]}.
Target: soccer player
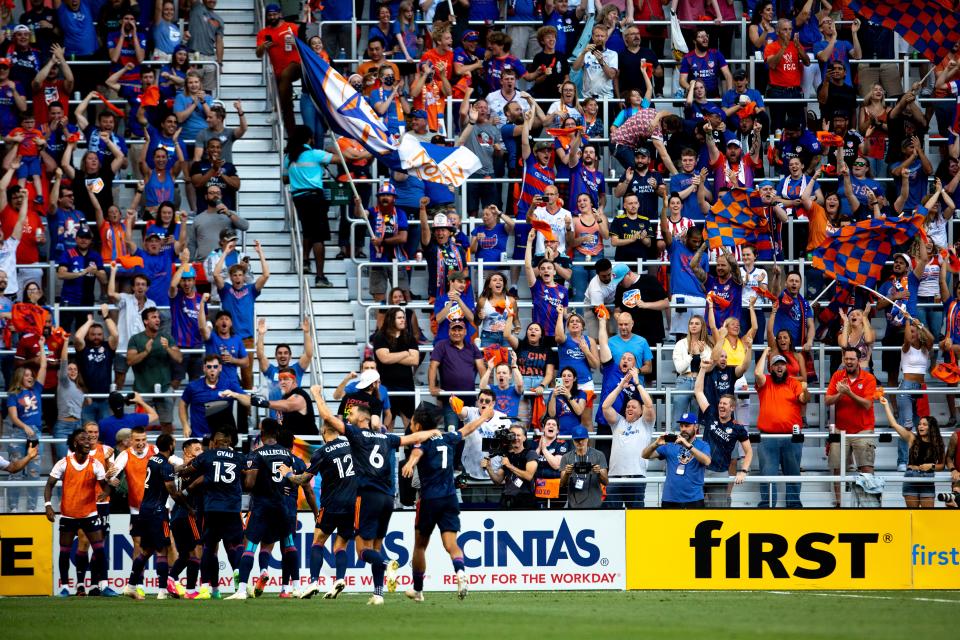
{"points": [[134, 461], [438, 505], [219, 470], [333, 462], [184, 525], [154, 524], [267, 518], [374, 494], [83, 478], [103, 454]]}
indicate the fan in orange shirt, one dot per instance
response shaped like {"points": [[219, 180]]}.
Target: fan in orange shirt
{"points": [[278, 39]]}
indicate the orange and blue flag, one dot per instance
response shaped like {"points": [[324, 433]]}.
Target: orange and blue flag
{"points": [[738, 217], [856, 253], [929, 27]]}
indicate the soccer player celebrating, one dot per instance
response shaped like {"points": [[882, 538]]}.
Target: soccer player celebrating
{"points": [[219, 470], [134, 461], [104, 455], [267, 518], [333, 462], [158, 486], [83, 478], [184, 527], [374, 493], [438, 505]]}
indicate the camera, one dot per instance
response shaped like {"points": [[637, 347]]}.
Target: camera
{"points": [[500, 443], [33, 443], [669, 437], [128, 399], [949, 496], [582, 467]]}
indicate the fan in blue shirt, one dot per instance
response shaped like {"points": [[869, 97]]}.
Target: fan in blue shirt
{"points": [[687, 458]]}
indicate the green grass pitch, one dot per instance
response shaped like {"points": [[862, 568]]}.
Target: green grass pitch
{"points": [[537, 616]]}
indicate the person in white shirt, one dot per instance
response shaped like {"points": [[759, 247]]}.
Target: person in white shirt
{"points": [[600, 65], [472, 452], [497, 101], [631, 434], [559, 219], [601, 290], [8, 254], [130, 321], [752, 276]]}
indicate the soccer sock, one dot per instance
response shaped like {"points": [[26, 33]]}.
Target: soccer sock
{"points": [[178, 566], [316, 561], [163, 570], [98, 566], [64, 562], [263, 560], [372, 557], [193, 570], [208, 566], [246, 563], [457, 564], [234, 554], [136, 573], [83, 562], [417, 581], [378, 570], [290, 567], [340, 559]]}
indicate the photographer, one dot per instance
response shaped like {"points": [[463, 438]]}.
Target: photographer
{"points": [[584, 473], [687, 458], [119, 420], [515, 472]]}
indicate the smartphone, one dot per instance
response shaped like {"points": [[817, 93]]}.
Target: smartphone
{"points": [[669, 437]]}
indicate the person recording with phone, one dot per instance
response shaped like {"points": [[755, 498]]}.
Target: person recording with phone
{"points": [[687, 459], [584, 473], [600, 65], [515, 471]]}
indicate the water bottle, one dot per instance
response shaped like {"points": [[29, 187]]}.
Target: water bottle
{"points": [[342, 54], [796, 429]]}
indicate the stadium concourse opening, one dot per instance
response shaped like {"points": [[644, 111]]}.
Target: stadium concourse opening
{"points": [[477, 297]]}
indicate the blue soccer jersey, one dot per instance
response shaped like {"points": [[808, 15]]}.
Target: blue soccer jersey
{"points": [[435, 466], [223, 487], [159, 473], [333, 462], [371, 451], [268, 490]]}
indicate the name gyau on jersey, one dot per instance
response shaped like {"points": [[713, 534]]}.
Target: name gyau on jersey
{"points": [[223, 488]]}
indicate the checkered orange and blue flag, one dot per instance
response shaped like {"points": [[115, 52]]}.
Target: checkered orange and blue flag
{"points": [[856, 253], [930, 27], [738, 217]]}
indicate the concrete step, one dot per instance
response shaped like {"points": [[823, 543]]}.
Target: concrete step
{"points": [[241, 79]]}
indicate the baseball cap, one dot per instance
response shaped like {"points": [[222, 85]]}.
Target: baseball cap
{"points": [[470, 36], [740, 74], [418, 113], [541, 146], [642, 151], [440, 221], [734, 142], [21, 28], [777, 359], [841, 113], [714, 110], [620, 269], [687, 418], [152, 233], [273, 8], [766, 183], [116, 401], [905, 256], [580, 433], [367, 378], [84, 232], [5, 62], [457, 323], [228, 234], [189, 272], [387, 189]]}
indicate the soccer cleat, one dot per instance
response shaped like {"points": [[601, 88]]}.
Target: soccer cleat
{"points": [[236, 577], [335, 591], [130, 591], [295, 592], [202, 594], [81, 591], [141, 594], [392, 567], [215, 595], [416, 596], [285, 595], [260, 585], [309, 591], [461, 584], [175, 589], [375, 600], [163, 595], [64, 593], [241, 594], [106, 592]]}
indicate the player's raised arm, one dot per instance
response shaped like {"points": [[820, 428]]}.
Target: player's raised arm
{"points": [[324, 411]]}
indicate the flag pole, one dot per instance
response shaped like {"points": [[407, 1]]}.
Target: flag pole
{"points": [[825, 289], [346, 170], [895, 305]]}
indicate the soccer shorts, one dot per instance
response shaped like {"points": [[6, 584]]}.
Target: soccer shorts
{"points": [[267, 524], [186, 534], [136, 525], [442, 513], [87, 525], [373, 513], [222, 526], [342, 523], [154, 531]]}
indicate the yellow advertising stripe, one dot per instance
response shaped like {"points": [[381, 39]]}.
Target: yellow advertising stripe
{"points": [[26, 558]]}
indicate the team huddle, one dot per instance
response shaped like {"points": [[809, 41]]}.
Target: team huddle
{"points": [[193, 504]]}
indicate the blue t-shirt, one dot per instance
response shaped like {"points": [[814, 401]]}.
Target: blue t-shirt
{"points": [[566, 418], [722, 438], [239, 302], [611, 378], [96, 367], [491, 243], [443, 327], [683, 282], [371, 451], [566, 26], [841, 53], [691, 208], [684, 472], [159, 268], [507, 401], [804, 147], [393, 117], [583, 180], [28, 404], [522, 11], [571, 355], [730, 291], [706, 69], [71, 222], [158, 139], [233, 346], [859, 188], [198, 393], [79, 34], [333, 463], [110, 425], [435, 466], [790, 317], [79, 291], [196, 121], [917, 182], [222, 479], [409, 192], [637, 345], [166, 36]]}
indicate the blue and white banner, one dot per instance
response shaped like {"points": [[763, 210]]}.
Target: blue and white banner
{"points": [[436, 163]]}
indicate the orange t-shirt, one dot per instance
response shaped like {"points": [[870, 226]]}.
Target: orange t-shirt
{"points": [[789, 72], [817, 226], [443, 63], [284, 52], [432, 100], [81, 486], [136, 468], [850, 416], [780, 407]]}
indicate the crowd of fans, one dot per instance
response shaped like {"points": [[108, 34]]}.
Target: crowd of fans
{"points": [[594, 229]]}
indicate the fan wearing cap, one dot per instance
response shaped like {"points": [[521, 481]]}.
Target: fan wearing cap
{"points": [[389, 225], [118, 420], [79, 269], [351, 385], [440, 250], [202, 390], [584, 472], [184, 300], [24, 59], [11, 100], [796, 142], [158, 259], [783, 400], [468, 61], [228, 246], [366, 394], [278, 39], [734, 169], [903, 287], [647, 185], [687, 457], [736, 98]]}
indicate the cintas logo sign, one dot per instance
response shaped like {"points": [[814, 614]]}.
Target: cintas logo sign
{"points": [[765, 553]]}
